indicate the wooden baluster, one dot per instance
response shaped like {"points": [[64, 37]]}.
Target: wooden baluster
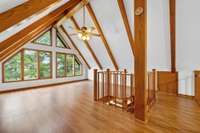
{"points": [[98, 86], [108, 84], [155, 79], [103, 86], [116, 86], [124, 101], [95, 82]]}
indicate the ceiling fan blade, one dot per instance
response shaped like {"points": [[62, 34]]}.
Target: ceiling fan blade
{"points": [[90, 29], [75, 29], [93, 34], [73, 34]]}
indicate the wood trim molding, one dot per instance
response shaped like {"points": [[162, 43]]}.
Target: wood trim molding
{"points": [[74, 45], [23, 11], [97, 25], [127, 25], [141, 60], [172, 4], [39, 86], [27, 34], [87, 45]]}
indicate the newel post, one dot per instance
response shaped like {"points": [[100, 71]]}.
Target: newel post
{"points": [[95, 82]]}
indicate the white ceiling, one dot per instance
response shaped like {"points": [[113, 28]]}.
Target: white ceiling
{"points": [[8, 4], [111, 22]]}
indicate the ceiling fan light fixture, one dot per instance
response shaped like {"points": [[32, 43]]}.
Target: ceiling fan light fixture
{"points": [[84, 37]]}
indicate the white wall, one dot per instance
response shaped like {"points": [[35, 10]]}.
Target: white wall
{"points": [[188, 43], [158, 35], [53, 49]]}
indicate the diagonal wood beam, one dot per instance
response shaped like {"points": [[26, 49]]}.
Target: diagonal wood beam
{"points": [[87, 45], [140, 18], [74, 45], [172, 6], [16, 41], [97, 25], [127, 25], [23, 11]]}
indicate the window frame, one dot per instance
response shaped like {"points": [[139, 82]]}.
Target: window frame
{"points": [[73, 65], [3, 69], [66, 65], [51, 64], [22, 66], [57, 76], [75, 57], [58, 34]]}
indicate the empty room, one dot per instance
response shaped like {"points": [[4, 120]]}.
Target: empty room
{"points": [[99, 66]]}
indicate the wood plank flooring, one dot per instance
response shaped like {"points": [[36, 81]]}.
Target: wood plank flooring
{"points": [[70, 108]]}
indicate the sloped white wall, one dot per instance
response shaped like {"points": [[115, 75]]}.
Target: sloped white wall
{"points": [[188, 43], [109, 17]]}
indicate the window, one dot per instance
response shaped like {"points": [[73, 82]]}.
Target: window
{"points": [[60, 61], [45, 64], [77, 67], [12, 68], [30, 65], [60, 42], [44, 39], [70, 65]]}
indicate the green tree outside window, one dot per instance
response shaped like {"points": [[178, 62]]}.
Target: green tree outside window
{"points": [[12, 68], [30, 64], [45, 64]]}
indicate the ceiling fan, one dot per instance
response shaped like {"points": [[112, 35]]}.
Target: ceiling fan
{"points": [[84, 32]]}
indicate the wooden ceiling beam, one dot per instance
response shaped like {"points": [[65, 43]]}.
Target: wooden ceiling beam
{"points": [[16, 41], [127, 25], [172, 6], [97, 25], [74, 45], [23, 11], [87, 45], [140, 19]]}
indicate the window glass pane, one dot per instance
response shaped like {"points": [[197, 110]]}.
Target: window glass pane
{"points": [[60, 65], [77, 67], [12, 68], [45, 64], [59, 42], [30, 65], [45, 39], [70, 65]]}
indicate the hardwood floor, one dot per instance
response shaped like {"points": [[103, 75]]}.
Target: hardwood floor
{"points": [[70, 109]]}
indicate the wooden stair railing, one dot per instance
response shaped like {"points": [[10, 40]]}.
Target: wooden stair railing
{"points": [[117, 88]]}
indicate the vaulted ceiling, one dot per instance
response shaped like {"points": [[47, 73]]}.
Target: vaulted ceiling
{"points": [[112, 50]]}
